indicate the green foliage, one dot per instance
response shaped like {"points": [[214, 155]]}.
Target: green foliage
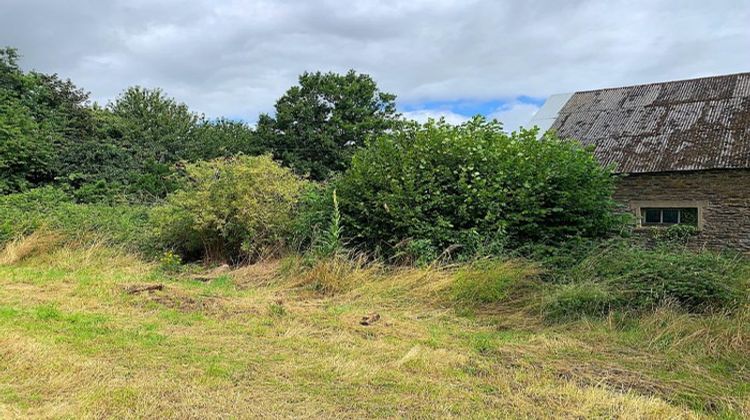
{"points": [[229, 209], [322, 121], [222, 137], [50, 134], [570, 301], [674, 235], [420, 252], [49, 208], [473, 189], [493, 281], [315, 210], [170, 262], [26, 146], [329, 242], [627, 277], [23, 213]]}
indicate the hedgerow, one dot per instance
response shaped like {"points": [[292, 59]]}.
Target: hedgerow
{"points": [[472, 189]]}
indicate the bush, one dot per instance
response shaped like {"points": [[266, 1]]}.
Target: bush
{"points": [[474, 189], [229, 210], [317, 226], [637, 278], [673, 235]]}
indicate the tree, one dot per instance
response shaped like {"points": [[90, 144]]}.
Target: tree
{"points": [[27, 155], [51, 134], [321, 122], [223, 137], [156, 127], [157, 132]]}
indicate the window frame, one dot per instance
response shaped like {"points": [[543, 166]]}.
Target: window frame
{"points": [[636, 207], [662, 210]]}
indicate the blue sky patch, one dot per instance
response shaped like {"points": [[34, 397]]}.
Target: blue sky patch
{"points": [[469, 108]]}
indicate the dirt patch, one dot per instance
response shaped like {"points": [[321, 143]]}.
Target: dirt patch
{"points": [[175, 299], [140, 288]]}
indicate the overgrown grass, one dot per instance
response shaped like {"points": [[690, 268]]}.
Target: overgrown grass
{"points": [[283, 338], [622, 276]]}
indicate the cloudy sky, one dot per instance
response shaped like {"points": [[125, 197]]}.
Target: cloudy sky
{"points": [[442, 57]]}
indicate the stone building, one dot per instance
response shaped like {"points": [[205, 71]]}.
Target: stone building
{"points": [[682, 149]]}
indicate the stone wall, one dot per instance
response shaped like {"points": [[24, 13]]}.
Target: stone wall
{"points": [[723, 198]]}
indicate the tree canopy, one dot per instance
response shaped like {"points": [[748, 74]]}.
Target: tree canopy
{"points": [[321, 122]]}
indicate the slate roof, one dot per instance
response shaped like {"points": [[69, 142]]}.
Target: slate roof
{"points": [[659, 127]]}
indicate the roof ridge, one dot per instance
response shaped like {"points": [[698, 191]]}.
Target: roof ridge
{"points": [[718, 76]]}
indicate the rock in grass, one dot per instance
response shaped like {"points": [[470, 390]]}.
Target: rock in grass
{"points": [[370, 319]]}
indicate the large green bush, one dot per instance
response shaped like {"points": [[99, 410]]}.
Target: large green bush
{"points": [[229, 209], [473, 188]]}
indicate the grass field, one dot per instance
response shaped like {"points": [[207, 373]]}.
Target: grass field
{"points": [[284, 339]]}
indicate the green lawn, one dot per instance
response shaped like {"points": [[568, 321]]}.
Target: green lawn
{"points": [[277, 339]]}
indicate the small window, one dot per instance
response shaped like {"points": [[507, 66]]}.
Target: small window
{"points": [[652, 215], [669, 216]]}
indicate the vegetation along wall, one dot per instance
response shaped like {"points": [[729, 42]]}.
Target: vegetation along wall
{"points": [[721, 197]]}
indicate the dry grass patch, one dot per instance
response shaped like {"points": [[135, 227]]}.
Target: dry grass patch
{"points": [[285, 339], [39, 242]]}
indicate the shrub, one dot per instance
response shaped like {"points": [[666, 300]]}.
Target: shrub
{"points": [[420, 252], [170, 262], [314, 215], [474, 189], [120, 225], [229, 209], [674, 235]]}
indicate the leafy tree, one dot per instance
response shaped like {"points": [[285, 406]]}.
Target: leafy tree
{"points": [[321, 122], [155, 127], [223, 137], [26, 147], [26, 155], [472, 188], [46, 126], [159, 132]]}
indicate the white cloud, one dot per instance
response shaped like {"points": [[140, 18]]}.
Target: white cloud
{"points": [[423, 115], [514, 115], [235, 57]]}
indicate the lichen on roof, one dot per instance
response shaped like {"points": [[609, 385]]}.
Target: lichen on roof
{"points": [[683, 125]]}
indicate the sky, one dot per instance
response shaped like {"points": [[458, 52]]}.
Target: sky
{"points": [[451, 58]]}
